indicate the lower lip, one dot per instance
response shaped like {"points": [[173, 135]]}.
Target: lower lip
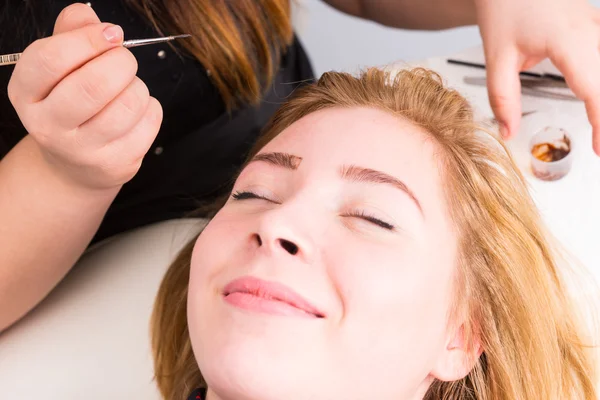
{"points": [[250, 302]]}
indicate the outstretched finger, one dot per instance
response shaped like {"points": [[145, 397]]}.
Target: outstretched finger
{"points": [[580, 65], [504, 88]]}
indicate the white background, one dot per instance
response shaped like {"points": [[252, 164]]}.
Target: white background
{"points": [[336, 41]]}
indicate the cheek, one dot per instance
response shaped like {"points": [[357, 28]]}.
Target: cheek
{"points": [[401, 297], [215, 247], [205, 256], [213, 250], [400, 278]]}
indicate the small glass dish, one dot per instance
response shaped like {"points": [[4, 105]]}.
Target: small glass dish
{"points": [[551, 152]]}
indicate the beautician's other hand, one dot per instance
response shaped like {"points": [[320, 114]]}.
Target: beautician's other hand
{"points": [[518, 34], [78, 96]]}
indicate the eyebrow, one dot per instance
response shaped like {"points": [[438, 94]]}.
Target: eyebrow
{"points": [[349, 172], [360, 174], [284, 160]]}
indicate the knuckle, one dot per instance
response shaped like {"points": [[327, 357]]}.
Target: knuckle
{"points": [[91, 90], [92, 39], [142, 90], [117, 171], [13, 92], [133, 166], [499, 101], [133, 64], [49, 59], [79, 145], [155, 111], [127, 61], [135, 98], [120, 66]]}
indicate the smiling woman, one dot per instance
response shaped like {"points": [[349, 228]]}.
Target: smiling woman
{"points": [[377, 245]]}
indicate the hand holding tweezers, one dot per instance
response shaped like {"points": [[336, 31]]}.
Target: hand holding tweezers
{"points": [[10, 59]]}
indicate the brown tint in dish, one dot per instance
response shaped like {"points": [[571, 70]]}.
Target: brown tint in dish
{"points": [[550, 152]]}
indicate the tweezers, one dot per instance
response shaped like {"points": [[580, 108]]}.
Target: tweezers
{"points": [[532, 87], [10, 59], [522, 73]]}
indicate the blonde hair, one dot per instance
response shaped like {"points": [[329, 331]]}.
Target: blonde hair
{"points": [[509, 285]]}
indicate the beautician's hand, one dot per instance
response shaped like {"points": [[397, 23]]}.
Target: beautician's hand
{"points": [[78, 96], [518, 34]]}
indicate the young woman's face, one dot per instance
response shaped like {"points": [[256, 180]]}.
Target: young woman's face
{"points": [[329, 272]]}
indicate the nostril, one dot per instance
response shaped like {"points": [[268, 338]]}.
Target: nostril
{"points": [[289, 246], [258, 239]]}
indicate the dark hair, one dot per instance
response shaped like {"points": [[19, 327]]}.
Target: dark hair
{"points": [[239, 41]]}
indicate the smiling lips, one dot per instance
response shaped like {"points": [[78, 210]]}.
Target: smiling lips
{"points": [[266, 297]]}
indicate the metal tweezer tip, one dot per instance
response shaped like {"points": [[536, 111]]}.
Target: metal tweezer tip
{"points": [[144, 42]]}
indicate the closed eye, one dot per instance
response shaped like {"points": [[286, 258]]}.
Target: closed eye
{"points": [[247, 195], [370, 218]]}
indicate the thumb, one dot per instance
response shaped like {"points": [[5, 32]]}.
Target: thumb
{"points": [[74, 17], [504, 88]]}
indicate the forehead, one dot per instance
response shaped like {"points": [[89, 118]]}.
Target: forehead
{"points": [[358, 134], [369, 138]]}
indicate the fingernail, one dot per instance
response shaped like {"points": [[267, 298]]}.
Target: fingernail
{"points": [[113, 33]]}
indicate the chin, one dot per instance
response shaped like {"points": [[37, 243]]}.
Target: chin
{"points": [[246, 359], [241, 353], [239, 372]]}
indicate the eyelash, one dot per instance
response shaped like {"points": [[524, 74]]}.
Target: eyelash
{"points": [[245, 195], [369, 218]]}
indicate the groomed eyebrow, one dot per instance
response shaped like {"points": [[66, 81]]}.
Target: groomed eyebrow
{"points": [[360, 174], [349, 172], [284, 160]]}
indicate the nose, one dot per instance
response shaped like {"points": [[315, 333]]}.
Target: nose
{"points": [[284, 232], [285, 244], [290, 247]]}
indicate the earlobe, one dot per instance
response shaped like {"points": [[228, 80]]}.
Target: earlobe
{"points": [[459, 357]]}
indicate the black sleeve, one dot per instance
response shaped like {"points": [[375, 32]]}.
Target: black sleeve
{"points": [[198, 394]]}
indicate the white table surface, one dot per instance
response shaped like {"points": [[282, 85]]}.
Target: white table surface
{"points": [[89, 338]]}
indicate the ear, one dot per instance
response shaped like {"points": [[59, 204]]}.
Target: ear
{"points": [[459, 356]]}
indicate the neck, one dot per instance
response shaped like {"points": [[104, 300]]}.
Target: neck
{"points": [[210, 395]]}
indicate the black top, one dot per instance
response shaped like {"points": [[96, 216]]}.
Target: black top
{"points": [[198, 394], [199, 146]]}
